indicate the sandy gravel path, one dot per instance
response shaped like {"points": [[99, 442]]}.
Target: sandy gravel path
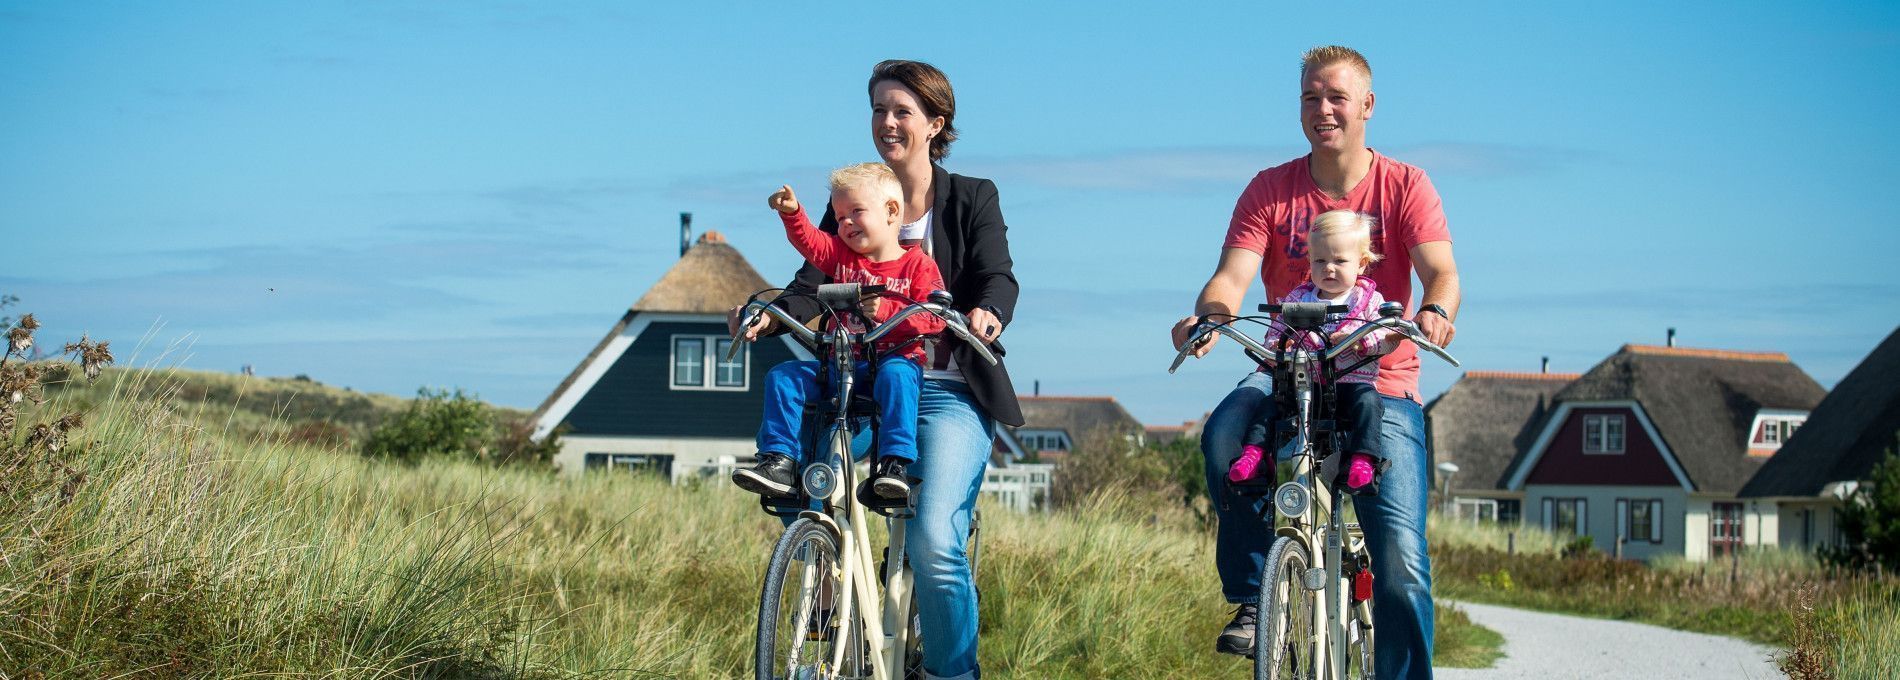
{"points": [[1540, 645]]}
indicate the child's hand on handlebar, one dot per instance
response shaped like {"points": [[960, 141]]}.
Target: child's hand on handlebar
{"points": [[783, 200], [760, 327]]}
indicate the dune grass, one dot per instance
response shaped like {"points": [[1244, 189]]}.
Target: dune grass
{"points": [[1846, 622], [183, 536]]}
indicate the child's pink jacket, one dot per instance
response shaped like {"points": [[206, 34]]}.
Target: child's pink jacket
{"points": [[1364, 299]]}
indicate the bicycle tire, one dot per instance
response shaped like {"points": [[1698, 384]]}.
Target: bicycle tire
{"points": [[782, 654], [1283, 629]]}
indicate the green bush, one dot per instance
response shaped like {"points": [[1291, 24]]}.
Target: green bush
{"points": [[1870, 520], [436, 422]]}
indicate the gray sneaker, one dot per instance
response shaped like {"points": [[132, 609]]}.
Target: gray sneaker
{"points": [[1237, 637]]}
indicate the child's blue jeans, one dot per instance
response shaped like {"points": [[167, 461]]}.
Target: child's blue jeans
{"points": [[789, 385]]}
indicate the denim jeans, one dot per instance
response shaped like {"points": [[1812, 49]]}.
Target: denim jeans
{"points": [[953, 435], [790, 384], [1393, 520]]}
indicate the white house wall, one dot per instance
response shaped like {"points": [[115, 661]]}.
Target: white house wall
{"points": [[690, 455], [1821, 531], [1601, 520]]}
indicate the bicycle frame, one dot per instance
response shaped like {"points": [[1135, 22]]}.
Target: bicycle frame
{"points": [[1315, 516], [884, 616]]}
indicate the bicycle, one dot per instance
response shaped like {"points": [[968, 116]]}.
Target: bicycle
{"points": [[1292, 637], [820, 577]]}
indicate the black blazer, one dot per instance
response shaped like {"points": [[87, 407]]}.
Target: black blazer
{"points": [[971, 247]]}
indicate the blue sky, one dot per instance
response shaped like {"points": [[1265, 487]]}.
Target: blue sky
{"points": [[386, 196]]}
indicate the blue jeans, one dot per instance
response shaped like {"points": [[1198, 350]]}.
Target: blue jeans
{"points": [[790, 384], [954, 435], [1394, 522]]}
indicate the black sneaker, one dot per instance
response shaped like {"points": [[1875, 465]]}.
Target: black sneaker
{"points": [[773, 477], [1237, 637], [888, 481]]}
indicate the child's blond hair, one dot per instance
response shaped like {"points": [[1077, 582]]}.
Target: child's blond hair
{"points": [[875, 176], [1355, 224]]}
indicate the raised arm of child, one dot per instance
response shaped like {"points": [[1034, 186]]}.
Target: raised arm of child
{"points": [[819, 248]]}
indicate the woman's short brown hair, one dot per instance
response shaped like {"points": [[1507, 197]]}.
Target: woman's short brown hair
{"points": [[933, 90]]}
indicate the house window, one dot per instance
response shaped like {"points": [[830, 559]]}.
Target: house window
{"points": [[1477, 509], [1603, 434], [1510, 511], [1725, 528], [1773, 431], [1566, 516], [1043, 441], [646, 463], [699, 363], [1639, 519]]}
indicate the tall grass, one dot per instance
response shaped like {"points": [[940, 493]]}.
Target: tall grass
{"points": [[1844, 622], [198, 543]]}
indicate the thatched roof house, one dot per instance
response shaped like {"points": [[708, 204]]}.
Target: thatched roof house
{"points": [[1488, 419], [1850, 431]]}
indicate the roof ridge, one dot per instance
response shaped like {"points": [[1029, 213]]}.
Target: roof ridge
{"points": [[1521, 375], [1700, 353]]}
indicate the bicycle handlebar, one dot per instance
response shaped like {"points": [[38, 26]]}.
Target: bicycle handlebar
{"points": [[953, 320], [1392, 323]]}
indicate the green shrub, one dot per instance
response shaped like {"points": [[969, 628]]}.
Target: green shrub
{"points": [[1870, 520], [436, 422]]}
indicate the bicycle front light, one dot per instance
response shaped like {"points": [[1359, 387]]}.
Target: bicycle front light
{"points": [[819, 480], [1291, 500]]}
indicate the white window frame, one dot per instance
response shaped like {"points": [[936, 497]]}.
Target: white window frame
{"points": [[1773, 429], [1626, 515], [1611, 431], [1044, 440], [1582, 526], [710, 359]]}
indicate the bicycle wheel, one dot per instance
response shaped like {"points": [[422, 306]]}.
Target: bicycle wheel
{"points": [[802, 621], [1283, 642]]}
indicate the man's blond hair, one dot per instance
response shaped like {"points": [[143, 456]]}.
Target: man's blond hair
{"points": [[1354, 224], [874, 176], [1321, 57]]}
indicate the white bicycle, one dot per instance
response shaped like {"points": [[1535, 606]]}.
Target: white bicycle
{"points": [[822, 614], [1315, 619]]}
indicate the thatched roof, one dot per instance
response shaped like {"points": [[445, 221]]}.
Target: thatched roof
{"points": [[1702, 402], [1845, 436], [710, 278], [1488, 419], [1078, 416]]}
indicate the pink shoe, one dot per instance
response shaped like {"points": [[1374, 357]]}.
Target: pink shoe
{"points": [[1248, 463], [1359, 472]]}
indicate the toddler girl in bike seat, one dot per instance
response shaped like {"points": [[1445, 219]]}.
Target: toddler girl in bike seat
{"points": [[868, 203], [1339, 248]]}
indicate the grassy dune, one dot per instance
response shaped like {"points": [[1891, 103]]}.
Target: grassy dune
{"points": [[179, 536]]}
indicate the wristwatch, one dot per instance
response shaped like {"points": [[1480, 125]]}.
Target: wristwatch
{"points": [[1433, 308]]}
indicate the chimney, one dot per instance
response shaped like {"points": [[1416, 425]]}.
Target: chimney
{"points": [[1672, 337], [1546, 366], [686, 232], [1037, 390]]}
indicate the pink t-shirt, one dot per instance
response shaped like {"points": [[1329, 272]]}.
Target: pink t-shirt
{"points": [[1274, 213]]}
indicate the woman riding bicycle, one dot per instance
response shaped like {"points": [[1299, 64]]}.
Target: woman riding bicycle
{"points": [[958, 222]]}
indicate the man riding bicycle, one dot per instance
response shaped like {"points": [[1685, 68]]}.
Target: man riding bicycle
{"points": [[1267, 237]]}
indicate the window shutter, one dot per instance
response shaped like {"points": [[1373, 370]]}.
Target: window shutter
{"points": [[1622, 519], [1655, 521], [1583, 516], [1550, 508]]}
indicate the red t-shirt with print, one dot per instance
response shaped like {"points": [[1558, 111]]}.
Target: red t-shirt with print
{"points": [[914, 275], [1275, 212]]}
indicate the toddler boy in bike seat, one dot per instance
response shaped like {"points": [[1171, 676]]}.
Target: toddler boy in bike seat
{"points": [[1339, 249], [868, 203]]}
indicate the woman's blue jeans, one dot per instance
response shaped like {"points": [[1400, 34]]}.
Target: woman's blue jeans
{"points": [[953, 441], [1394, 522]]}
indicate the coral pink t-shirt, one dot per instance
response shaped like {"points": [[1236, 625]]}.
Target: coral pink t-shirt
{"points": [[1274, 213]]}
